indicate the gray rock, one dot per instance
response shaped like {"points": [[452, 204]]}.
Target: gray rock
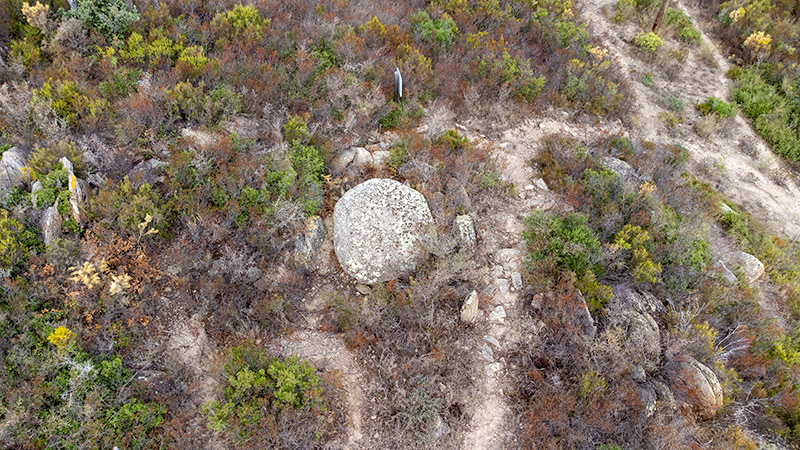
{"points": [[36, 187], [51, 225], [749, 264], [464, 229], [492, 340], [620, 167], [540, 183], [585, 319], [361, 157], [381, 230], [487, 352], [363, 289], [343, 159], [498, 314], [309, 242], [516, 281], [469, 310], [77, 190], [647, 398], [509, 146], [633, 312], [11, 166], [726, 274], [380, 158], [493, 368], [147, 172], [725, 209], [694, 383]]}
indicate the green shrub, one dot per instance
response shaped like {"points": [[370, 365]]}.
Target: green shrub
{"points": [[767, 107], [672, 103], [567, 242], [451, 139], [55, 186], [257, 388], [239, 20], [686, 30], [442, 31], [597, 295], [193, 104], [130, 207], [635, 239], [107, 17], [10, 248], [717, 107], [648, 80], [45, 160], [648, 42]]}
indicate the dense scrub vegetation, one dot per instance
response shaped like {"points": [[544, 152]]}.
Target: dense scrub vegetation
{"points": [[764, 38], [203, 135]]}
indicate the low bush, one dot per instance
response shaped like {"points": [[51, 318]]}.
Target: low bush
{"points": [[678, 19], [648, 42], [568, 243], [717, 107]]}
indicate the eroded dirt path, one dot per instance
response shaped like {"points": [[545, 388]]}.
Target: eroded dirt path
{"points": [[734, 160]]}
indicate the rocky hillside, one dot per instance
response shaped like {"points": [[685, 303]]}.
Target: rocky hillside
{"points": [[221, 228]]}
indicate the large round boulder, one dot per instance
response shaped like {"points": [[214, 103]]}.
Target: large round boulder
{"points": [[694, 383], [381, 229]]}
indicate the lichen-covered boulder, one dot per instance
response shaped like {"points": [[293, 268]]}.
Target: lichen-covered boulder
{"points": [[694, 383], [10, 169], [381, 229]]}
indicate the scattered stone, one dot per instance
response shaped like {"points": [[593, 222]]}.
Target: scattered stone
{"points": [[516, 281], [621, 168], [381, 230], [502, 285], [51, 224], [638, 375], [487, 352], [363, 289], [461, 127], [77, 193], [498, 314], [469, 310], [465, 232], [750, 265], [308, 243], [726, 273], [492, 340], [508, 146], [37, 186], [361, 157], [633, 311], [380, 158], [536, 301], [422, 129], [147, 172], [584, 318], [694, 383], [541, 184], [529, 187], [11, 166], [725, 209], [343, 159], [199, 138], [492, 368]]}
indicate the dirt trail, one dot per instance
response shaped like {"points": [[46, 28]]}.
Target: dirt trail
{"points": [[735, 160]]}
